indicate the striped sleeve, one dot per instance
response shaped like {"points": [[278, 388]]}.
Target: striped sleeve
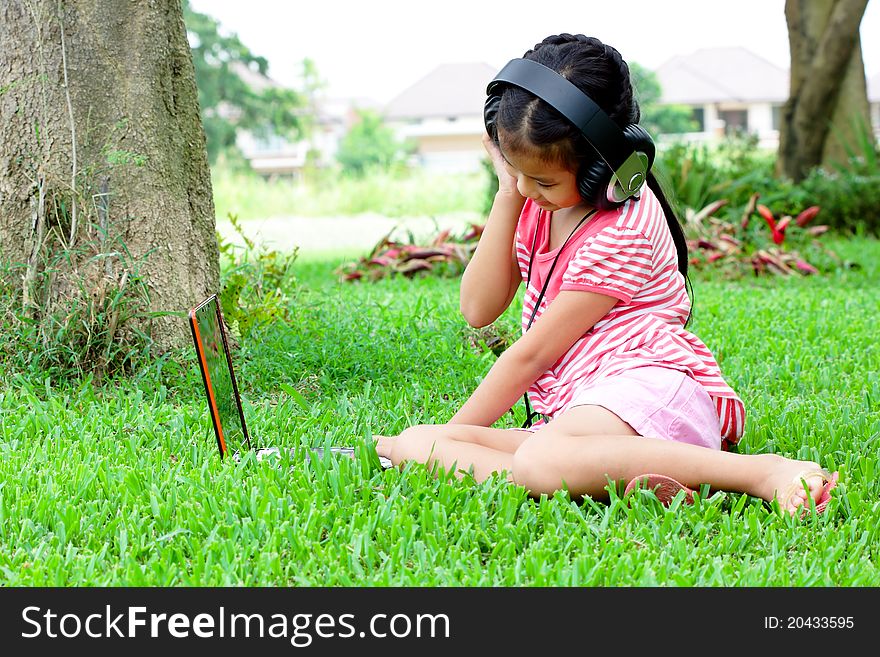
{"points": [[616, 261]]}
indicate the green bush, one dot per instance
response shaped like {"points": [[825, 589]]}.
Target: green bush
{"points": [[849, 201], [95, 322], [370, 144], [255, 282], [696, 175]]}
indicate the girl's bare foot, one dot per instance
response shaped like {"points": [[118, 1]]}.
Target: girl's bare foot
{"points": [[794, 483]]}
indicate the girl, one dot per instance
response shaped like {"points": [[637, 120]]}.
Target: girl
{"points": [[622, 387]]}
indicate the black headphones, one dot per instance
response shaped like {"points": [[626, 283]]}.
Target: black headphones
{"points": [[625, 155]]}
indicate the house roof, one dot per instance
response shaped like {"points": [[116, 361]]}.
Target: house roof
{"points": [[449, 90], [712, 75], [708, 75]]}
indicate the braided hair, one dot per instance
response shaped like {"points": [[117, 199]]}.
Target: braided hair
{"points": [[527, 124]]}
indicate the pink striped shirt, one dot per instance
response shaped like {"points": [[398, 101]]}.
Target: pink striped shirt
{"points": [[626, 253]]}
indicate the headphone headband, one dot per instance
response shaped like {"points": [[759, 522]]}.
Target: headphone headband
{"points": [[630, 167]]}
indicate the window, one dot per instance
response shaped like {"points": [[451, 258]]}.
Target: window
{"points": [[734, 120], [699, 116]]}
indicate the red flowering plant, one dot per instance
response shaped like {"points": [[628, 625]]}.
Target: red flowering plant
{"points": [[784, 245], [779, 245], [444, 255]]}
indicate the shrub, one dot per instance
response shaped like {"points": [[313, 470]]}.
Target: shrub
{"points": [[444, 255], [782, 245], [87, 310], [694, 175], [368, 144], [850, 201], [255, 283]]}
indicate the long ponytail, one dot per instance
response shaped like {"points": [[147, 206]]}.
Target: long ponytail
{"points": [[678, 236]]}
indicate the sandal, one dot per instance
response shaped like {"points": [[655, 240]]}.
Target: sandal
{"points": [[830, 482], [665, 488]]}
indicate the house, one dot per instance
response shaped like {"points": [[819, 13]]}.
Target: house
{"points": [[728, 89], [271, 154], [274, 155], [874, 102], [442, 114]]}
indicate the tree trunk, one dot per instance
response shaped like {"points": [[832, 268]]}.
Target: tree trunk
{"points": [[105, 190], [828, 100]]}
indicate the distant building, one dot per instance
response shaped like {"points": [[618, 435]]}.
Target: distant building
{"points": [[728, 89], [442, 114], [874, 102], [274, 155]]}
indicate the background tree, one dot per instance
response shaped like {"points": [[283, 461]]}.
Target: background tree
{"points": [[105, 190], [658, 119], [235, 91], [369, 143], [828, 101]]}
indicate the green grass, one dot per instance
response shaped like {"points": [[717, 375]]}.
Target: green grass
{"points": [[389, 193], [120, 484]]}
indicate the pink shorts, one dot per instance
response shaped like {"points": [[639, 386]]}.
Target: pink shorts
{"points": [[658, 402]]}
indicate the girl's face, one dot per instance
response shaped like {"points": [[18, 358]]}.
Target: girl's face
{"points": [[551, 186]]}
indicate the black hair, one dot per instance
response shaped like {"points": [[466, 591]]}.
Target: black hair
{"points": [[525, 123]]}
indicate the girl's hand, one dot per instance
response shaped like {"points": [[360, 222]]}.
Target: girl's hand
{"points": [[506, 182]]}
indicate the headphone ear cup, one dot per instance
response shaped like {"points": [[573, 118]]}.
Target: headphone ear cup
{"points": [[490, 113], [592, 181], [594, 177], [640, 141]]}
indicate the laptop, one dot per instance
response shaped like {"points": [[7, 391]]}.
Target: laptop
{"points": [[221, 388]]}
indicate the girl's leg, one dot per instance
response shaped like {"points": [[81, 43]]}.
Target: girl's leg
{"points": [[423, 437], [562, 455], [484, 449], [588, 445], [455, 446]]}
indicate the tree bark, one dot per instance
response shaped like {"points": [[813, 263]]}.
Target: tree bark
{"points": [[828, 96], [104, 177]]}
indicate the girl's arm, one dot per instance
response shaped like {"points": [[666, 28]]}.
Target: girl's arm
{"points": [[566, 319], [492, 276]]}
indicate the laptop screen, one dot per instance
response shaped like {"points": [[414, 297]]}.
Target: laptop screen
{"points": [[215, 363]]}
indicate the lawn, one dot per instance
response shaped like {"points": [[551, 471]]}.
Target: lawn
{"points": [[121, 484], [393, 194]]}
